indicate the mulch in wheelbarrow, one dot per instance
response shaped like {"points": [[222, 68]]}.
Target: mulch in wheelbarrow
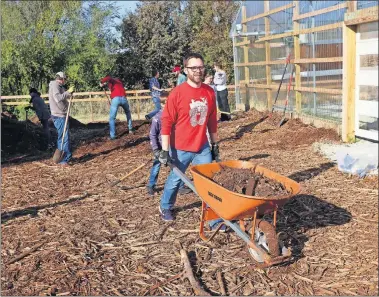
{"points": [[247, 182]]}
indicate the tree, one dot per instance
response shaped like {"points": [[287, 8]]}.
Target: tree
{"points": [[210, 23], [154, 37], [37, 43]]}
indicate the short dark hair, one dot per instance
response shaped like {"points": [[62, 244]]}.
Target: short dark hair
{"points": [[33, 90], [192, 56], [164, 93], [154, 72]]}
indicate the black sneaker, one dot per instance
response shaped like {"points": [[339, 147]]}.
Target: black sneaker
{"points": [[131, 131], [112, 138], [147, 118], [184, 190], [150, 191], [166, 215]]}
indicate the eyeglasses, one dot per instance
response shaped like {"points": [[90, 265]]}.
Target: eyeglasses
{"points": [[196, 68]]}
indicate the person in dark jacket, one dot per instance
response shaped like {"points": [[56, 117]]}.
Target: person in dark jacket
{"points": [[118, 97], [42, 112], [156, 145]]}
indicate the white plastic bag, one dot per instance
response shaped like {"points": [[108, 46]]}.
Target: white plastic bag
{"points": [[360, 166]]}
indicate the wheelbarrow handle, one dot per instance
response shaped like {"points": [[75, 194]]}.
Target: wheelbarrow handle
{"points": [[182, 176]]}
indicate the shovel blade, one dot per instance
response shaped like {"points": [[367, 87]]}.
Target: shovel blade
{"points": [[282, 122], [58, 156]]}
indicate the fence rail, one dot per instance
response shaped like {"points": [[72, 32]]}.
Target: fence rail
{"points": [[94, 103], [269, 33]]}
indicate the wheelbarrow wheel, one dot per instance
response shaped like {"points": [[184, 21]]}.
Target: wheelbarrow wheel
{"points": [[265, 236]]}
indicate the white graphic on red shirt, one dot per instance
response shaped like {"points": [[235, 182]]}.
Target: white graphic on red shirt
{"points": [[198, 111]]}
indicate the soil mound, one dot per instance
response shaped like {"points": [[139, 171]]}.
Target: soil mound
{"points": [[21, 137], [74, 123], [244, 181]]}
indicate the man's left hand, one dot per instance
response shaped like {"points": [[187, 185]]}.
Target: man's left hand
{"points": [[215, 152]]}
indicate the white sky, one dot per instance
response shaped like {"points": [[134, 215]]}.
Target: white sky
{"points": [[126, 5]]}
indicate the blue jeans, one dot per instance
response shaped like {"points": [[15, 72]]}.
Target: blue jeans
{"points": [[59, 125], [182, 160], [154, 173], [157, 103], [115, 103]]}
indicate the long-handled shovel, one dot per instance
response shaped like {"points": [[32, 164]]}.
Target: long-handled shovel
{"points": [[106, 95], [281, 81], [130, 173], [288, 59], [59, 153], [283, 121]]}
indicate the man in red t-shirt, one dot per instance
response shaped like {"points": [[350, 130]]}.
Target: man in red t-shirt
{"points": [[190, 110], [118, 97]]}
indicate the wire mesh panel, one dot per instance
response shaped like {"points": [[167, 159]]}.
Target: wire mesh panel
{"points": [[365, 4], [319, 46]]}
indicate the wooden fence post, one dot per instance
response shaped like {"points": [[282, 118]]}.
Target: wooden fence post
{"points": [[296, 28], [138, 107], [90, 96], [348, 78], [245, 50], [268, 56]]}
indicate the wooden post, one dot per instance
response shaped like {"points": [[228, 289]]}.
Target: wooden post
{"points": [[296, 28], [351, 5], [245, 49], [90, 96], [138, 107], [348, 83], [268, 56]]}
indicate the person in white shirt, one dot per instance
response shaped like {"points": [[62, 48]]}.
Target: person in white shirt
{"points": [[221, 91]]}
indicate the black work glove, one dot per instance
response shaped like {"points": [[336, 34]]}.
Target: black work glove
{"points": [[156, 154], [215, 152], [164, 157]]}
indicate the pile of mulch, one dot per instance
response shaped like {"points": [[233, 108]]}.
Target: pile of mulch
{"points": [[68, 232], [26, 138], [21, 137], [247, 182]]}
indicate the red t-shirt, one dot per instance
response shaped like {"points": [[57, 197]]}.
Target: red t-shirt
{"points": [[188, 113], [115, 86]]}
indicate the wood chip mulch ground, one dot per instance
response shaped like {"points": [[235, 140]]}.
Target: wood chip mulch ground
{"points": [[66, 231]]}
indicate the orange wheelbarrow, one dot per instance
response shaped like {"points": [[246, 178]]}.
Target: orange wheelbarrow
{"points": [[242, 213]]}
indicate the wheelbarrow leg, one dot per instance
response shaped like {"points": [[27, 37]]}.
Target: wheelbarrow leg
{"points": [[208, 214]]}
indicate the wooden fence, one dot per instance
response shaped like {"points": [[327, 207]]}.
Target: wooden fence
{"points": [[132, 95]]}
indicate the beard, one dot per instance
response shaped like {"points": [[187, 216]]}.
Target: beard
{"points": [[196, 78]]}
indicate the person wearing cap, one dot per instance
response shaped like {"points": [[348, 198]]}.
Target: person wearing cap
{"points": [[58, 101], [181, 78], [155, 90], [118, 98], [42, 112]]}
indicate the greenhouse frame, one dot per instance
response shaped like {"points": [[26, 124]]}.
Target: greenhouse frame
{"points": [[332, 52]]}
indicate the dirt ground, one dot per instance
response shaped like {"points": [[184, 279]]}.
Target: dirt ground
{"points": [[85, 237]]}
